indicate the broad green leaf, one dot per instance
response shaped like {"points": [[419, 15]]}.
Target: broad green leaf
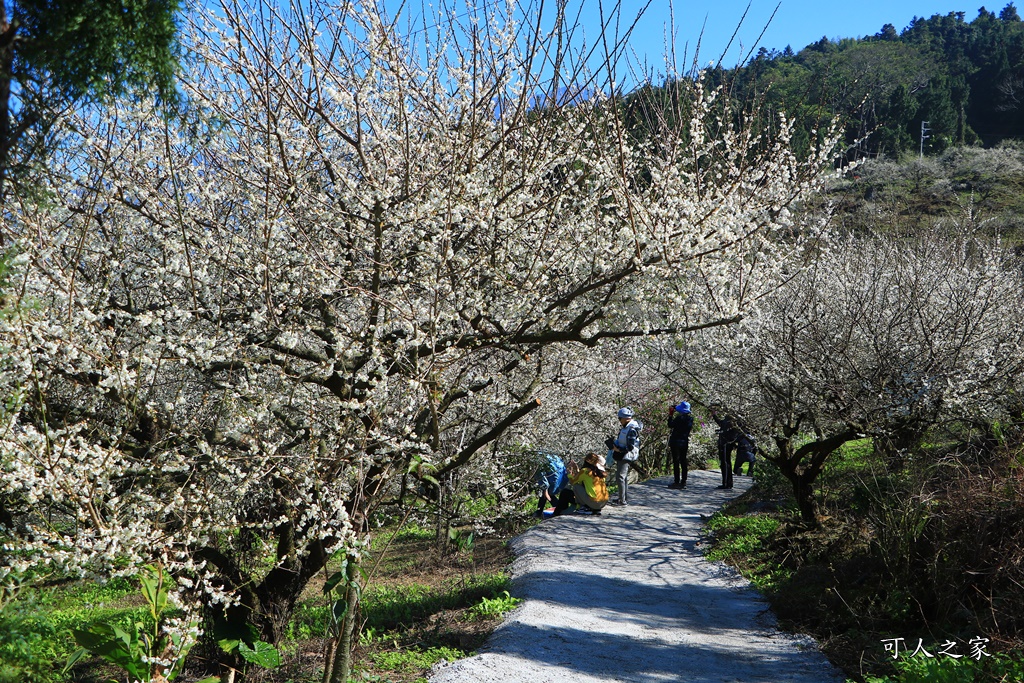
{"points": [[333, 581], [154, 588], [338, 610], [116, 646], [75, 657], [261, 653], [232, 633], [229, 644]]}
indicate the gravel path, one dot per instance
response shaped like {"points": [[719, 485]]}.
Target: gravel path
{"points": [[628, 596]]}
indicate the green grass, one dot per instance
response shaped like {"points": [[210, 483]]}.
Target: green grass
{"points": [[1000, 667], [414, 658], [35, 629], [489, 608], [478, 508], [410, 532], [387, 609], [856, 453], [743, 542]]}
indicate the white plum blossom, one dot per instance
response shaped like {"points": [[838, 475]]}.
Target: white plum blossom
{"points": [[358, 259]]}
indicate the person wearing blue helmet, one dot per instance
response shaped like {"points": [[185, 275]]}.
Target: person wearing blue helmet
{"points": [[680, 420], [625, 450]]}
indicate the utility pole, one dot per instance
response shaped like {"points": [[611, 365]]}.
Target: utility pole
{"points": [[924, 135]]}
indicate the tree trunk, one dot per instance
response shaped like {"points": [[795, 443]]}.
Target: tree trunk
{"points": [[903, 442], [347, 639], [329, 652], [803, 491]]}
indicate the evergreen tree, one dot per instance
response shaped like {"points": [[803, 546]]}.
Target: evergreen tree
{"points": [[888, 32], [57, 53], [894, 129]]}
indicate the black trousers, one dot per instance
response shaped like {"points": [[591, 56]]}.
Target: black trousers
{"points": [[744, 458], [725, 462], [680, 464], [565, 500]]}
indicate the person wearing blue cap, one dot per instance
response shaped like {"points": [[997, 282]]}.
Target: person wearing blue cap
{"points": [[680, 420], [625, 450]]}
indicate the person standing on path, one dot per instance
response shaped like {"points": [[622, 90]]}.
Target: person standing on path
{"points": [[625, 451], [680, 420], [727, 436]]}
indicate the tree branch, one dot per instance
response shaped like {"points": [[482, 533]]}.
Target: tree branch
{"points": [[497, 430]]}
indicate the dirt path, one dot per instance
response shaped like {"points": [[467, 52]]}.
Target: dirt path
{"points": [[628, 596]]}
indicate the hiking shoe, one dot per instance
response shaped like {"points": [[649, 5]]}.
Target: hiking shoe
{"points": [[675, 485]]}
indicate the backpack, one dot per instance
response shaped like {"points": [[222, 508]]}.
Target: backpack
{"points": [[635, 453]]}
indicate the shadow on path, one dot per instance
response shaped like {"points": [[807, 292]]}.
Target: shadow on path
{"points": [[628, 596]]}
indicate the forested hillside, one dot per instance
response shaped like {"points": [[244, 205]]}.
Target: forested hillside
{"points": [[963, 78]]}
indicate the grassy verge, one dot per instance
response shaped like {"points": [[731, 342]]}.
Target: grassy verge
{"points": [[424, 603], [887, 567], [35, 628]]}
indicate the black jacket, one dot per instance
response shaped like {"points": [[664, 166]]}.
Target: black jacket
{"points": [[727, 431], [681, 424]]}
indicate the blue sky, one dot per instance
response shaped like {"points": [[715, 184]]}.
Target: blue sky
{"points": [[796, 23]]}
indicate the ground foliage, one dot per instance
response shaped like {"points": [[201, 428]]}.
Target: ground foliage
{"points": [[423, 604], [933, 552], [963, 184]]}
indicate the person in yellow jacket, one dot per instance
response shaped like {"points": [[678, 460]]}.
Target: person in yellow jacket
{"points": [[588, 490]]}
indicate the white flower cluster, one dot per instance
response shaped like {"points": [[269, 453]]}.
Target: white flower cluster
{"points": [[237, 331], [889, 333]]}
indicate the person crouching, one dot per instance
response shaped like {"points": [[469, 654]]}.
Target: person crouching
{"points": [[588, 490]]}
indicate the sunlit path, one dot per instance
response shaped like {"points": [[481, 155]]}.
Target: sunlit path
{"points": [[628, 596]]}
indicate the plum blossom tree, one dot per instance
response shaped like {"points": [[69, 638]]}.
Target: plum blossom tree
{"points": [[883, 336], [358, 260]]}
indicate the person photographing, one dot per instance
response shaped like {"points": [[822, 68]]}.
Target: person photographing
{"points": [[680, 421]]}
